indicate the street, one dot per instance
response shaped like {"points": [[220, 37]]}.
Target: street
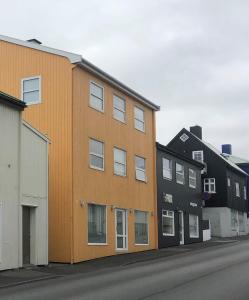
{"points": [[220, 272]]}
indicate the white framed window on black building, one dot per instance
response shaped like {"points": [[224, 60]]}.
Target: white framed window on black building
{"points": [[209, 185], [119, 162], [139, 119], [198, 155], [167, 168], [119, 108], [96, 154], [168, 223], [140, 163], [237, 189], [31, 90], [141, 228], [96, 96], [192, 178], [180, 173], [193, 226], [97, 225]]}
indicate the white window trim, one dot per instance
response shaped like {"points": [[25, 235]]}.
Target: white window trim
{"points": [[166, 216], [177, 180], [139, 169], [245, 193], [228, 182], [119, 162], [171, 170], [135, 119], [123, 111], [198, 235], [101, 156], [193, 178], [207, 181], [106, 222], [147, 230], [22, 90], [103, 89], [198, 151]]}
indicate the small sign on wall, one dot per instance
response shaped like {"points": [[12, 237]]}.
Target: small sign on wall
{"points": [[167, 198]]}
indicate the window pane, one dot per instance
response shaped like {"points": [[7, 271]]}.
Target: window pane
{"points": [[168, 224], [96, 91], [96, 224], [31, 97], [167, 168], [139, 125], [140, 175], [119, 156], [119, 115], [97, 103], [120, 242], [140, 162], [97, 161], [96, 147], [30, 84], [139, 114], [119, 216], [141, 228], [119, 103], [119, 169]]}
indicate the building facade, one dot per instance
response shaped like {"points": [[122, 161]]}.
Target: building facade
{"points": [[102, 177], [23, 189], [179, 198], [223, 182]]}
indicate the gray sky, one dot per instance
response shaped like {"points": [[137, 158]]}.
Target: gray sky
{"points": [[189, 56]]}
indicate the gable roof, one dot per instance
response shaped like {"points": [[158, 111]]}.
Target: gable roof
{"points": [[236, 159], [12, 101], [178, 155], [213, 149], [83, 63]]}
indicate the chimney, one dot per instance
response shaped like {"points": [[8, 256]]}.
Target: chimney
{"points": [[196, 130], [226, 149], [34, 41]]}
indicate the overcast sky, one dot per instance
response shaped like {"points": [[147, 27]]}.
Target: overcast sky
{"points": [[191, 57]]}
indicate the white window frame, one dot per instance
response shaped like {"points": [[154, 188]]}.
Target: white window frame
{"points": [[97, 155], [193, 178], [165, 214], [23, 92], [106, 227], [237, 189], [147, 219], [90, 94], [180, 174], [118, 109], [167, 171], [120, 163], [198, 152], [208, 182], [138, 120], [245, 193], [198, 229], [139, 169]]}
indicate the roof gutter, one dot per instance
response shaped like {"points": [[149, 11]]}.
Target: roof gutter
{"points": [[116, 83]]}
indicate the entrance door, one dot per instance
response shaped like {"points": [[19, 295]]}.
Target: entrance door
{"points": [[121, 229], [26, 235], [181, 227]]}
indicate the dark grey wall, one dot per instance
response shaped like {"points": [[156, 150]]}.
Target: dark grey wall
{"points": [[183, 195]]}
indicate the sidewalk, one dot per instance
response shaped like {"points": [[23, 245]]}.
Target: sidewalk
{"points": [[33, 273]]}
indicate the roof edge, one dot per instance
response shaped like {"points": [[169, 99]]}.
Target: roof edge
{"points": [[12, 101], [37, 132]]}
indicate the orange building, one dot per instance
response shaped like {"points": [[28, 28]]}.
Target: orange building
{"points": [[102, 173]]}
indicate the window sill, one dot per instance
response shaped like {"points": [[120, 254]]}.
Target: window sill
{"points": [[194, 237], [123, 176], [182, 183], [101, 111], [97, 169], [97, 244], [164, 234], [32, 103], [142, 244]]}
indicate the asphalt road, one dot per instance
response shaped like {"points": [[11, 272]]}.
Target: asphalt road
{"points": [[211, 273]]}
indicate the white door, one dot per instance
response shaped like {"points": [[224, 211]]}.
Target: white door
{"points": [[181, 227], [121, 229]]}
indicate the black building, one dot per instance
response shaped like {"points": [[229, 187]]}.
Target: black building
{"points": [[179, 198], [223, 183]]}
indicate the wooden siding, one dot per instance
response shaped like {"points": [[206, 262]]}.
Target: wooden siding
{"points": [[52, 117], [92, 186]]}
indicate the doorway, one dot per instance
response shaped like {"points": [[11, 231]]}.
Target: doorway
{"points": [[121, 229], [181, 227], [26, 234]]}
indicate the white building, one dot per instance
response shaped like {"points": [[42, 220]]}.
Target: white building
{"points": [[23, 189]]}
